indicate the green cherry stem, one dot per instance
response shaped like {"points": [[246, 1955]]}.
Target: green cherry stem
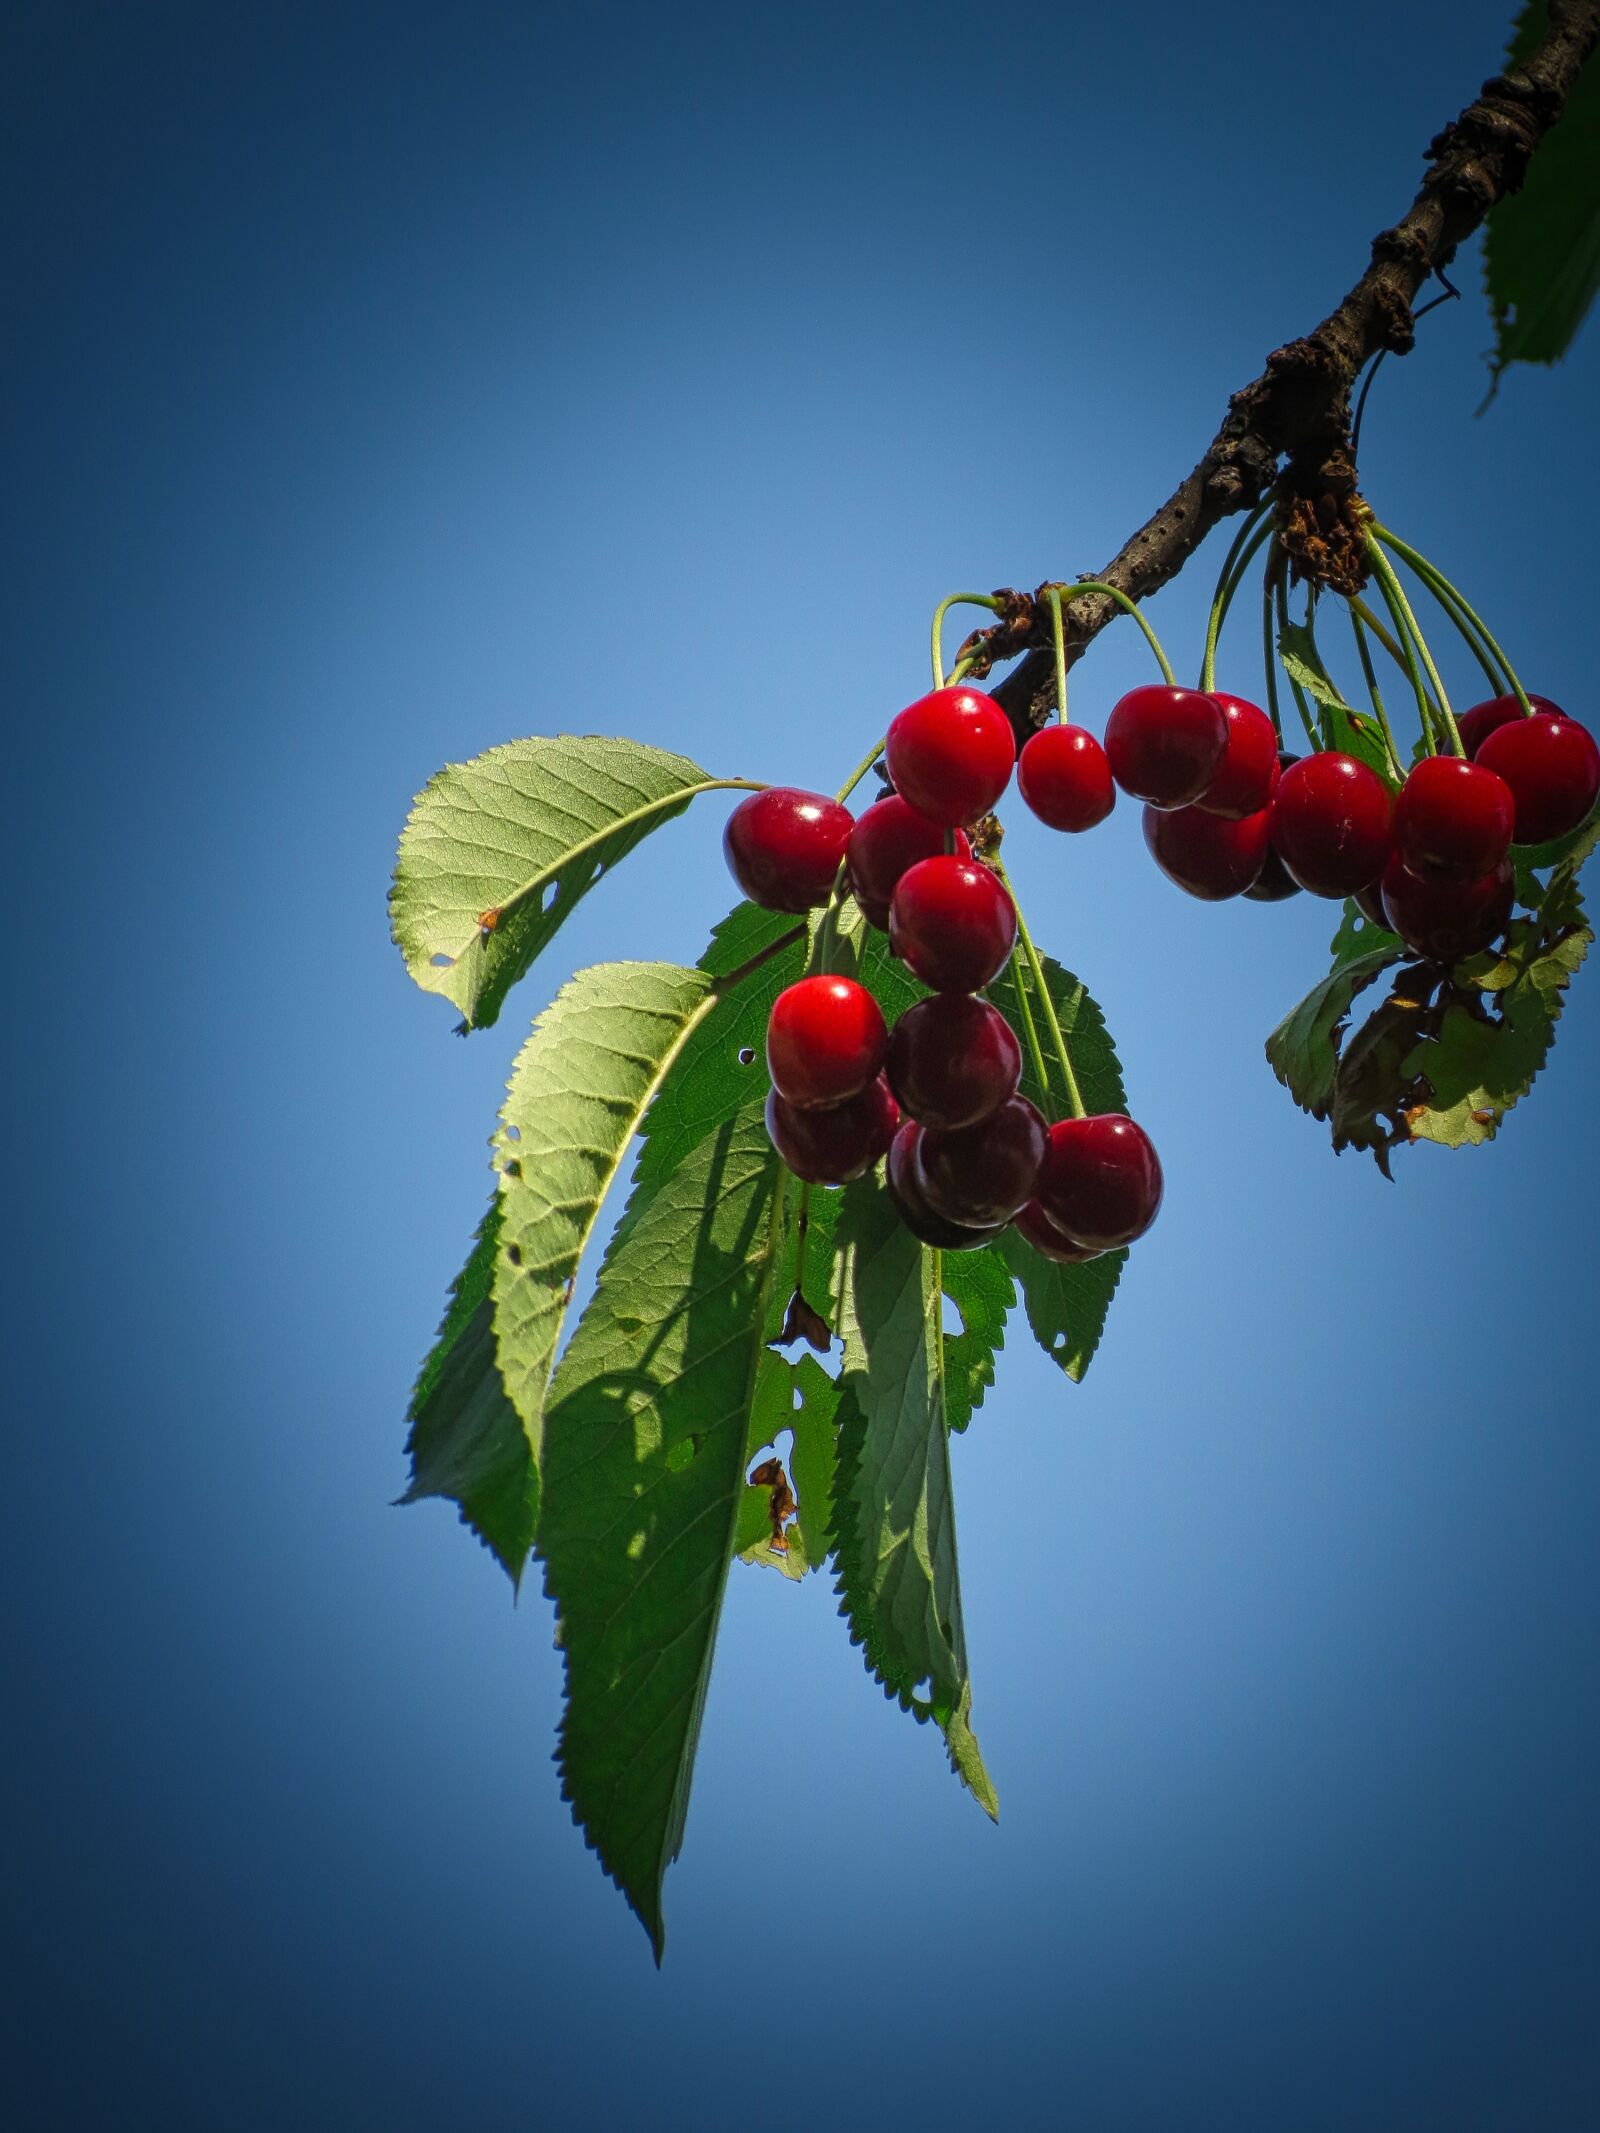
{"points": [[1074, 1095], [1280, 586], [1247, 541], [1268, 654], [1080, 587], [1369, 673], [1485, 649], [1059, 637], [827, 935], [955, 600], [1030, 1032], [1400, 607], [860, 771], [1364, 614]]}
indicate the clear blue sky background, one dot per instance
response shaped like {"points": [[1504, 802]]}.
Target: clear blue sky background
{"points": [[386, 383]]}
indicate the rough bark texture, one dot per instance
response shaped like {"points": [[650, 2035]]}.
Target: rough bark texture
{"points": [[1291, 426]]}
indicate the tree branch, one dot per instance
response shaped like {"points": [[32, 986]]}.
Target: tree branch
{"points": [[1291, 426]]}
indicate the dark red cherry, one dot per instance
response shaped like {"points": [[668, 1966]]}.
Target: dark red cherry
{"points": [[906, 1191], [951, 754], [833, 1146], [1369, 902], [1446, 920], [826, 1040], [1063, 775], [953, 922], [1035, 1227], [1331, 823], [981, 1176], [1452, 819], [1100, 1183], [1273, 883], [1248, 774], [1165, 745], [953, 1060], [887, 839], [1552, 766], [1209, 855], [783, 847], [1477, 724]]}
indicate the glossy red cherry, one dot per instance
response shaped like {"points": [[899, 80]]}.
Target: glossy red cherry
{"points": [[1452, 819], [833, 1146], [951, 754], [1209, 855], [1165, 745], [906, 1191], [1477, 724], [1552, 766], [1248, 774], [1100, 1183], [953, 1060], [1331, 823], [1063, 775], [1035, 1227], [953, 922], [826, 1040], [1274, 883], [783, 847], [887, 839], [983, 1174], [1446, 919]]}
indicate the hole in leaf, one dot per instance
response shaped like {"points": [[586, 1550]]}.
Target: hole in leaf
{"points": [[441, 962], [799, 1397], [923, 1692], [1059, 1342], [746, 1056], [950, 1318], [682, 1453], [551, 891], [513, 1133], [514, 1254]]}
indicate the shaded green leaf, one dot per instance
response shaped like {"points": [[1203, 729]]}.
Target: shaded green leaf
{"points": [[466, 1441], [580, 1086], [644, 1476], [894, 1512], [1358, 936], [802, 1398], [497, 852], [980, 1286], [1541, 254], [1303, 1051], [1354, 733]]}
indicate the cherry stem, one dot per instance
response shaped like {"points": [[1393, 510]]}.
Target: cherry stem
{"points": [[1081, 586], [1400, 607], [725, 984], [1466, 618], [1269, 659], [860, 771], [1231, 576], [1360, 609], [1059, 635], [1074, 1095], [987, 600], [1280, 583], [1029, 1028], [827, 937], [1369, 672]]}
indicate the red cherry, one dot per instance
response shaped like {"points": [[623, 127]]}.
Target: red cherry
{"points": [[1211, 856], [983, 1174], [951, 755], [952, 1060], [906, 1191], [1552, 766], [1273, 883], [1330, 823], [1248, 775], [1101, 1180], [1369, 902], [783, 847], [1477, 724], [1452, 819], [825, 1041], [831, 1147], [887, 839], [1446, 920], [1035, 1227], [1063, 775], [953, 922], [1165, 745]]}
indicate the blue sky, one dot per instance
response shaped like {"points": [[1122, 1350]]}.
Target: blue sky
{"points": [[389, 383]]}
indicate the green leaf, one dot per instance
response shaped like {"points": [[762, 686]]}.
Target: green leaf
{"points": [[800, 1397], [644, 1476], [1358, 936], [1303, 1051], [1483, 1060], [580, 1085], [1541, 254], [498, 851], [894, 1515], [1354, 733], [467, 1442], [980, 1287], [1066, 1306]]}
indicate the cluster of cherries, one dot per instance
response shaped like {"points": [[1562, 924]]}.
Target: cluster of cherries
{"points": [[1228, 814], [938, 1094]]}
